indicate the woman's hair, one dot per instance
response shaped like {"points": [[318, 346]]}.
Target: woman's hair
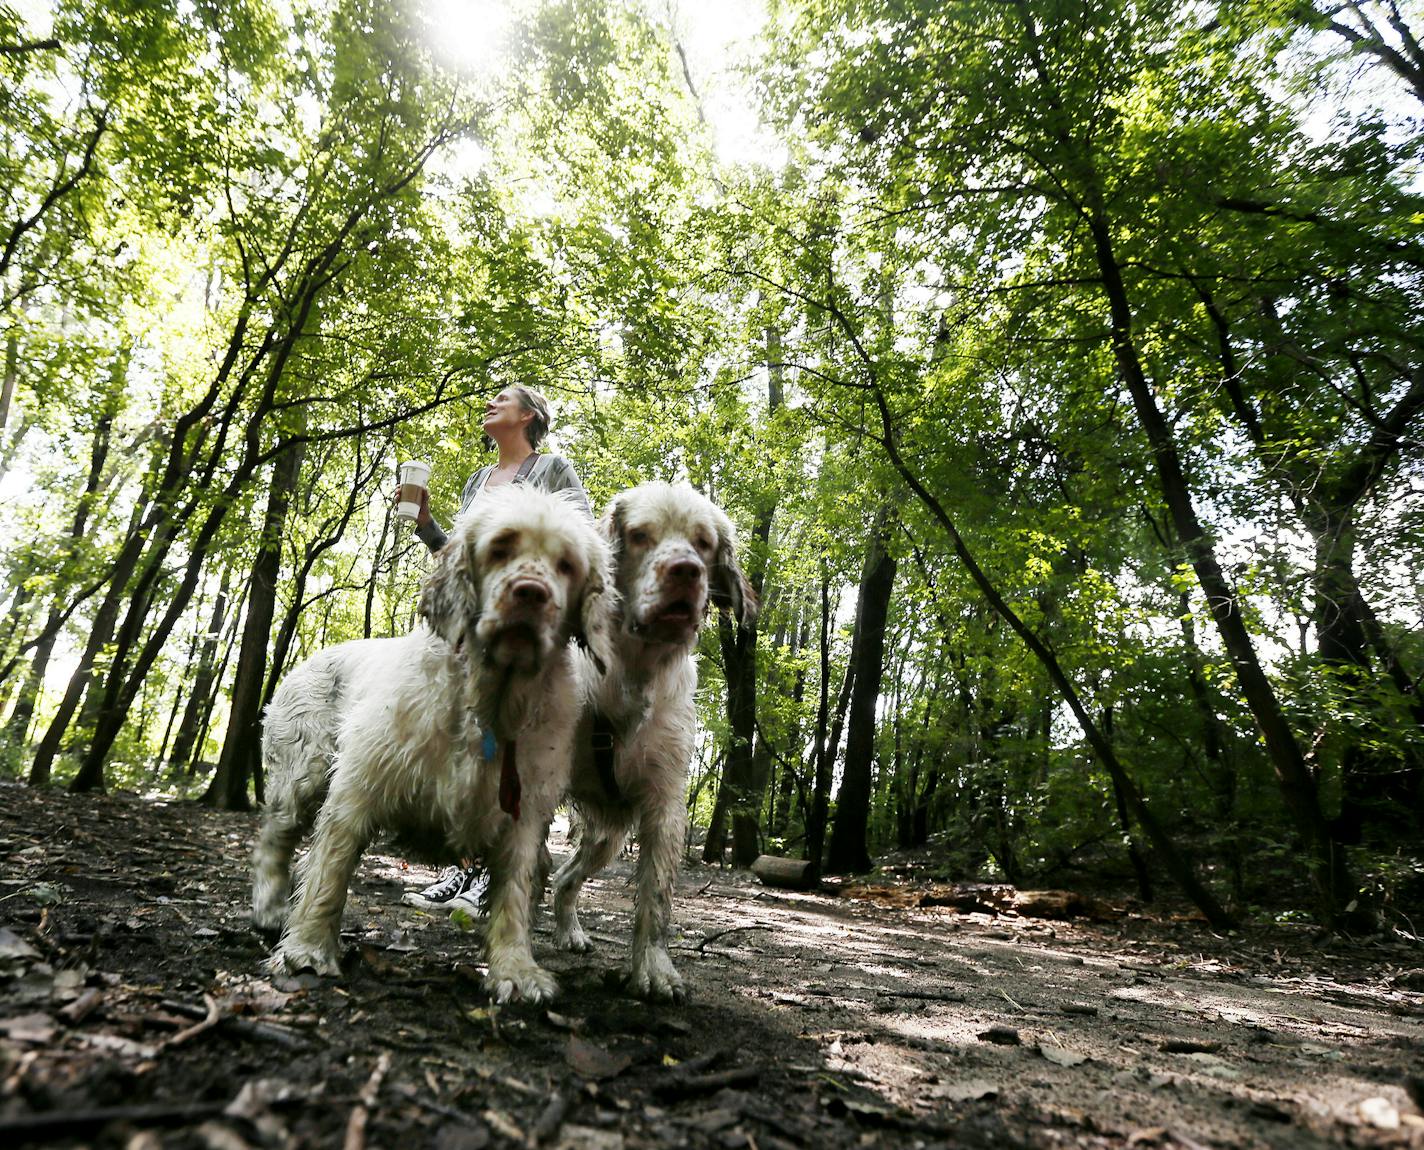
{"points": [[533, 401]]}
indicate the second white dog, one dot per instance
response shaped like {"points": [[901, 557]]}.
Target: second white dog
{"points": [[458, 735], [674, 551]]}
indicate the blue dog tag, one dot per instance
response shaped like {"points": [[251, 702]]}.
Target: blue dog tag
{"points": [[488, 746]]}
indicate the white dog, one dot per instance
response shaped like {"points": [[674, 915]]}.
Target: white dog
{"points": [[457, 736], [673, 552]]}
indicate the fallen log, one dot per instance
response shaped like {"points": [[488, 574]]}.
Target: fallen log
{"points": [[790, 874]]}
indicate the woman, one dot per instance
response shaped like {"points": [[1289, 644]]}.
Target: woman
{"points": [[516, 421]]}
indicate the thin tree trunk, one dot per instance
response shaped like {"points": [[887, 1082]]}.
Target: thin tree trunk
{"points": [[739, 797], [210, 703], [12, 373], [849, 851], [816, 817], [1134, 853], [203, 681], [101, 630], [241, 747]]}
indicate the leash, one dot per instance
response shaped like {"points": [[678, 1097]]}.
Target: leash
{"points": [[509, 783], [509, 788]]}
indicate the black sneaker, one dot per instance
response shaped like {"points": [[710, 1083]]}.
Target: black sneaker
{"points": [[452, 881], [475, 897]]}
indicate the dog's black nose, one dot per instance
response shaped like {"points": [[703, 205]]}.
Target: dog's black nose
{"points": [[684, 570], [530, 593]]}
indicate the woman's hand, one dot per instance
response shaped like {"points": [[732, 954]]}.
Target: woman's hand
{"points": [[422, 517]]}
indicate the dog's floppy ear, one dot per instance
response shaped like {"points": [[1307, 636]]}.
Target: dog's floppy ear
{"points": [[611, 526], [595, 609], [447, 594], [727, 587]]}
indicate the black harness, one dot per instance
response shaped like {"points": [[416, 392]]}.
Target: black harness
{"points": [[604, 750]]}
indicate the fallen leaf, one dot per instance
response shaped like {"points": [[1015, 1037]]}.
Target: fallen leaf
{"points": [[970, 1090], [563, 1021], [588, 1138], [36, 1027], [68, 984], [462, 1136], [46, 894], [1380, 1112], [1061, 1056], [13, 946], [589, 1060]]}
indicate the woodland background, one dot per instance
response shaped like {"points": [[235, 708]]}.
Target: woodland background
{"points": [[1062, 370]]}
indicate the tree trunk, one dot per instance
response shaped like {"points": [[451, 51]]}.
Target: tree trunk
{"points": [[12, 374], [203, 681], [821, 762], [1134, 852], [739, 797], [848, 852], [17, 728], [242, 745], [1335, 886], [101, 630], [1176, 864]]}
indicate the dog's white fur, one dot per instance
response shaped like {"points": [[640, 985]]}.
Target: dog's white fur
{"points": [[673, 552], [387, 734]]}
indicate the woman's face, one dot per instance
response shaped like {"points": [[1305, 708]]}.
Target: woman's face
{"points": [[505, 413]]}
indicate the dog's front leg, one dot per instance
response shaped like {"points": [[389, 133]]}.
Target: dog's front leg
{"points": [[314, 927], [513, 973], [272, 864], [651, 973], [598, 841]]}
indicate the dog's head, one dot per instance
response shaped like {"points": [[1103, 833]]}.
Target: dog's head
{"points": [[523, 572], [674, 551]]}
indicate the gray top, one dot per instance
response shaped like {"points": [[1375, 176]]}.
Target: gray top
{"points": [[551, 473]]}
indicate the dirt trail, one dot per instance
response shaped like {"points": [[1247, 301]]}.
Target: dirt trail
{"points": [[133, 1012]]}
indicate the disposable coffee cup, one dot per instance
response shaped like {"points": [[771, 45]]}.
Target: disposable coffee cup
{"points": [[414, 478]]}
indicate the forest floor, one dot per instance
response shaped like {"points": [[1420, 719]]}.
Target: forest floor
{"points": [[134, 1012]]}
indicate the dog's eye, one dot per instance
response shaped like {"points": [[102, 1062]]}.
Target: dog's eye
{"points": [[498, 554], [639, 538], [702, 543], [565, 567]]}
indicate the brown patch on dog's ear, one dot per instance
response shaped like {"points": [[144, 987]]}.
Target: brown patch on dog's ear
{"points": [[445, 595], [727, 587]]}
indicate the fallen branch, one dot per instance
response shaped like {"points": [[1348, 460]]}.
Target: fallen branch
{"points": [[356, 1124], [689, 1085], [922, 995], [257, 1031], [723, 934], [214, 1016], [65, 1123]]}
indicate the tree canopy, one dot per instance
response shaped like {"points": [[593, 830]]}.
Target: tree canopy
{"points": [[1063, 375]]}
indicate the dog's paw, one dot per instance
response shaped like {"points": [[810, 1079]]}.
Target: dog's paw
{"points": [[292, 958], [571, 936], [269, 919], [653, 977], [527, 983]]}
